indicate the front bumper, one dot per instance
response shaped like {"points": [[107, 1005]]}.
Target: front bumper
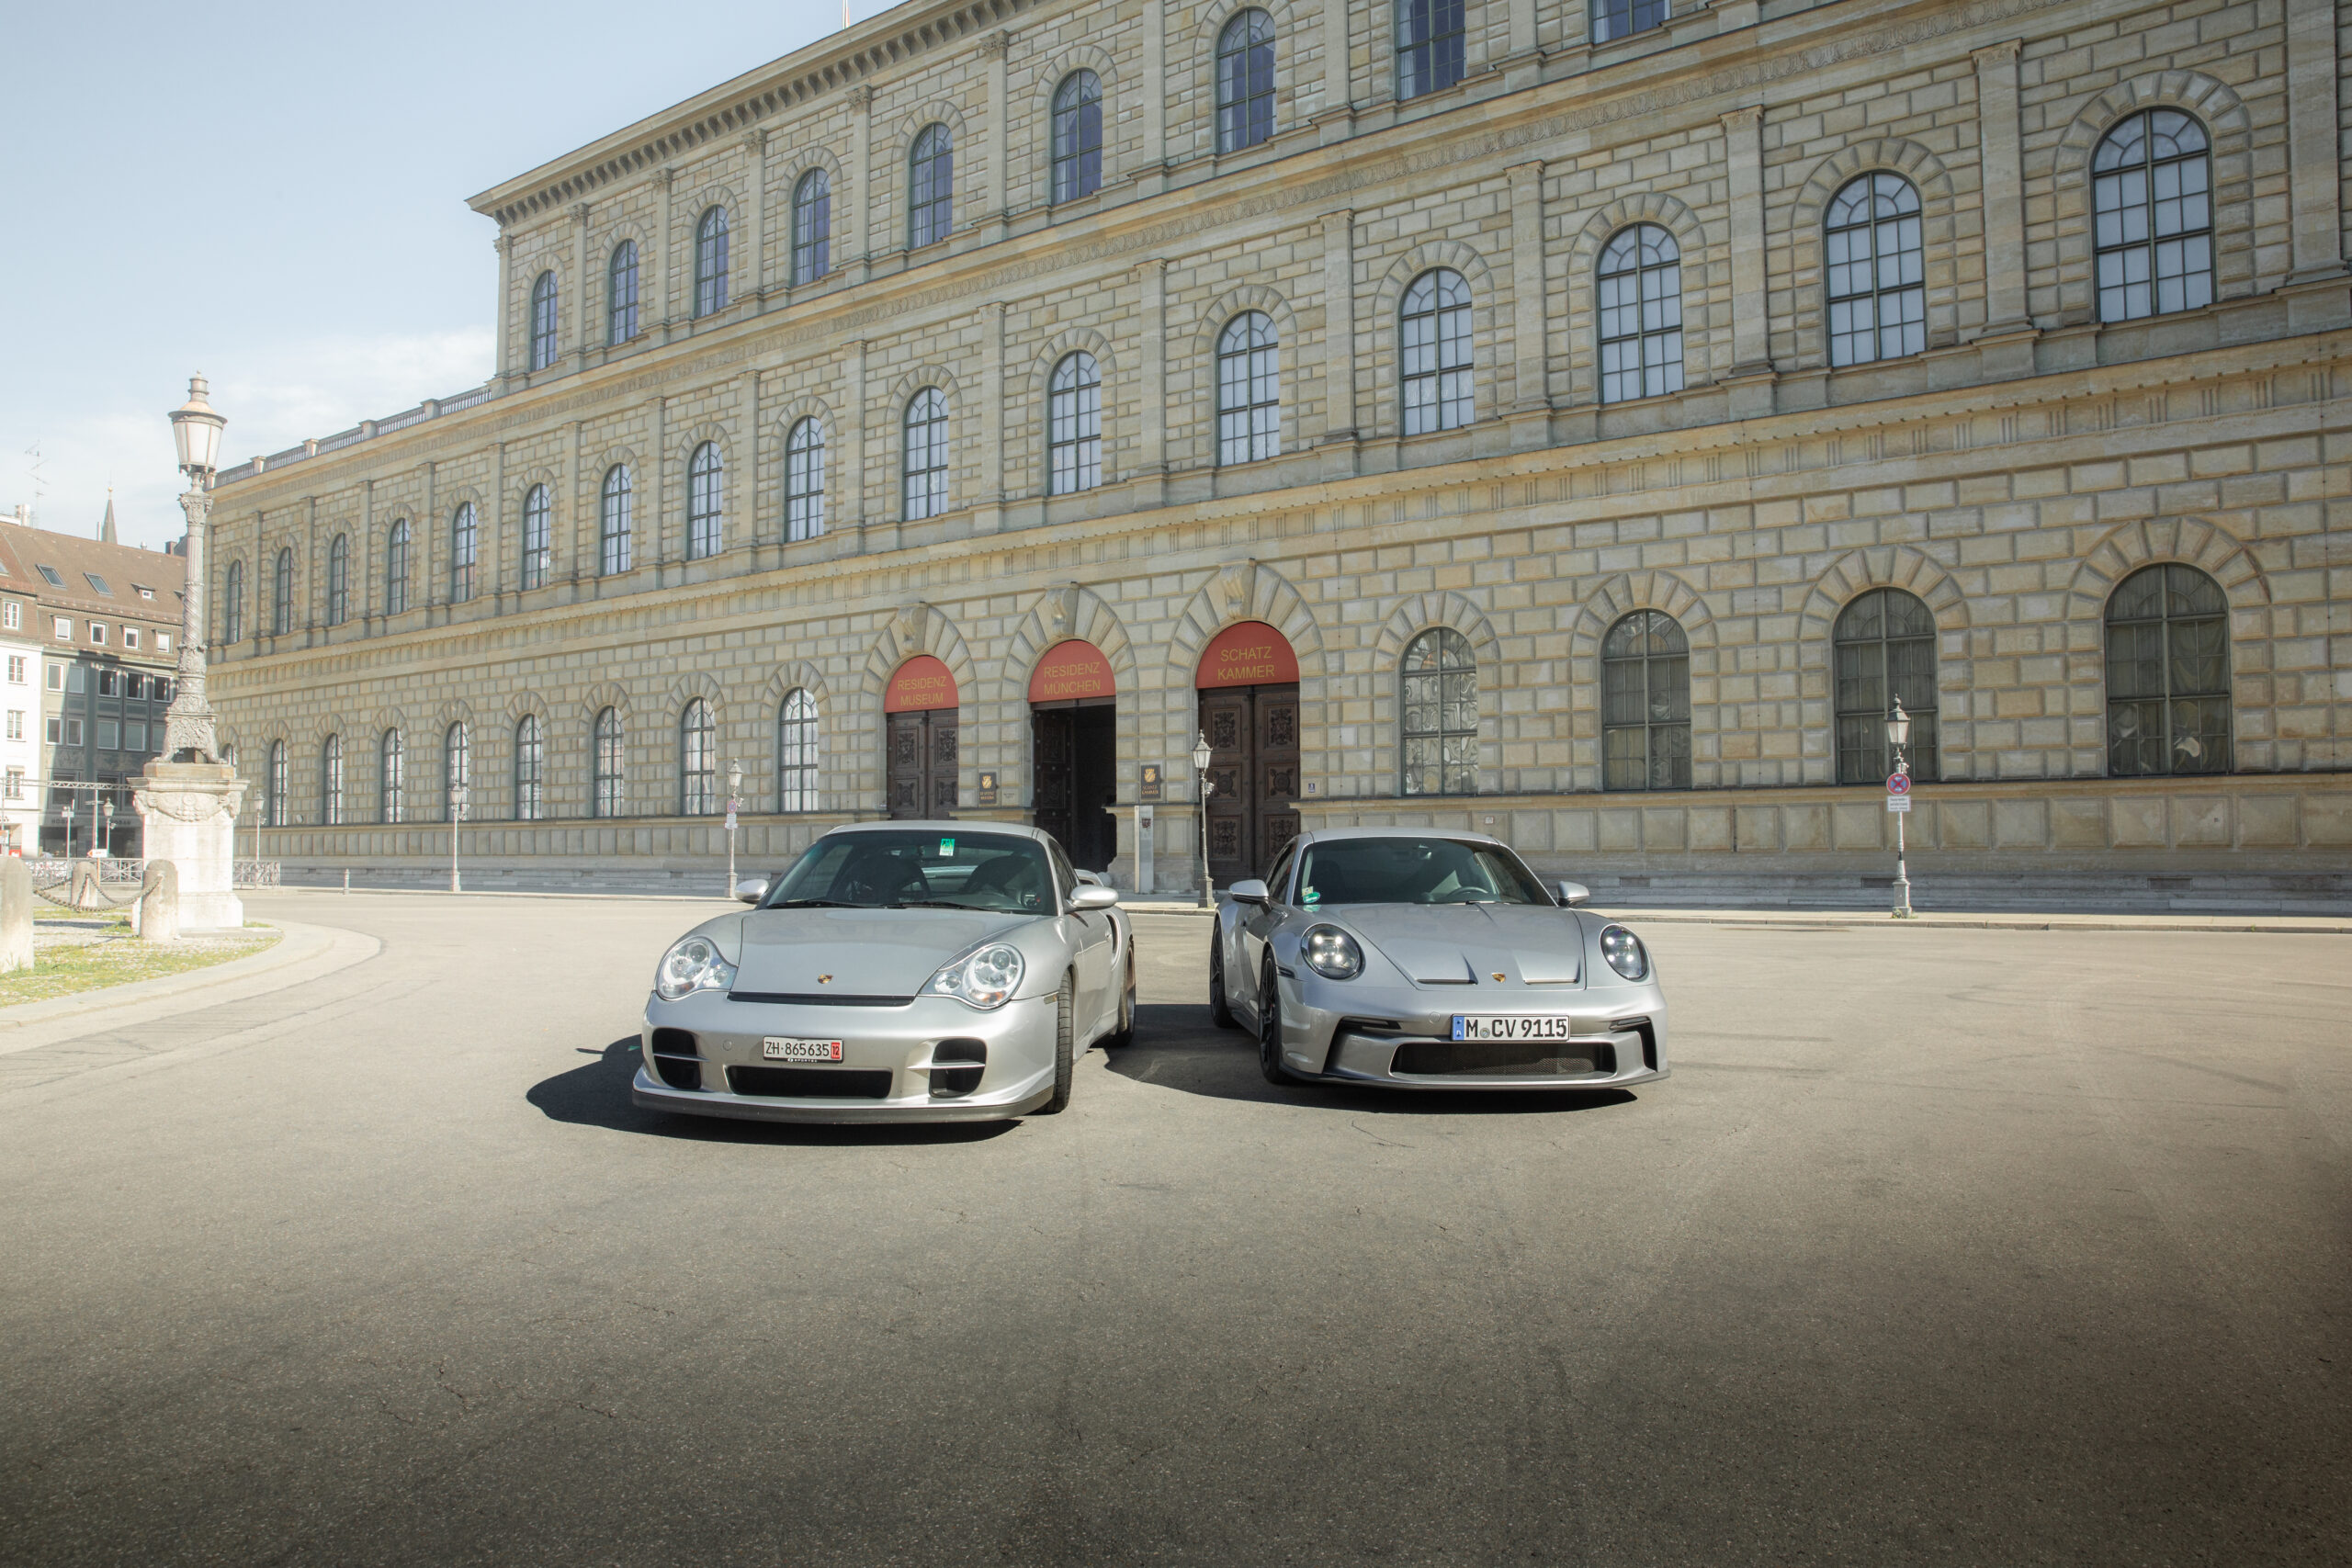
{"points": [[908, 1063], [1403, 1039]]}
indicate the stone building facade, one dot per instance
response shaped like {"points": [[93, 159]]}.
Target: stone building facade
{"points": [[1606, 407]]}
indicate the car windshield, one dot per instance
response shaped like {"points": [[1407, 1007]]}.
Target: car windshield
{"points": [[1414, 871], [898, 870]]}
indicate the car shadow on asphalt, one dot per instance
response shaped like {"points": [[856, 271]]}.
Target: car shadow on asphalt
{"points": [[596, 1094], [1177, 1047]]}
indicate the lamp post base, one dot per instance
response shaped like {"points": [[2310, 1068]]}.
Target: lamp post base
{"points": [[189, 810]]}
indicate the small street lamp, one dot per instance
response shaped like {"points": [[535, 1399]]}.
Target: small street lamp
{"points": [[1898, 731], [458, 796], [734, 803], [104, 845], [1201, 771]]}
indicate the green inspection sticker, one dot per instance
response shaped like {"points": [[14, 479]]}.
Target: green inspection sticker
{"points": [[1310, 897], [947, 849]]}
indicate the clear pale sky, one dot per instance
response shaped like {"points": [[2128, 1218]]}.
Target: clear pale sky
{"points": [[278, 198]]}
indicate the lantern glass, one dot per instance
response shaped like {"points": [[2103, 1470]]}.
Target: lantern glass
{"points": [[1201, 754], [1898, 726], [196, 429]]}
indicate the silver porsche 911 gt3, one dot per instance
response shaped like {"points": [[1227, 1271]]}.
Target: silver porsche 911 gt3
{"points": [[899, 972], [1413, 957]]}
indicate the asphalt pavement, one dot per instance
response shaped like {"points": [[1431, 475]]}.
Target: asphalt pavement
{"points": [[1968, 1247]]}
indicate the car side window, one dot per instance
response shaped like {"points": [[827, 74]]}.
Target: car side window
{"points": [[1279, 877], [1065, 878]]}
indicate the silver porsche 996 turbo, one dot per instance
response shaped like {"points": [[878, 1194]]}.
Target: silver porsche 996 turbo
{"points": [[898, 972], [1433, 960]]}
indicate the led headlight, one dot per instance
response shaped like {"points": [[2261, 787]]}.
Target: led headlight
{"points": [[1332, 952], [985, 978], [692, 964], [1626, 952]]}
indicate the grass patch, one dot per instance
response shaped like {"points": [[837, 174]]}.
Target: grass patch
{"points": [[115, 958]]}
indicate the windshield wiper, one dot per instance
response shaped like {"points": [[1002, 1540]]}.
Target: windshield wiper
{"points": [[935, 904], [820, 904]]}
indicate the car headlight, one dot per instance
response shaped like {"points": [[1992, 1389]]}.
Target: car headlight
{"points": [[985, 977], [1332, 952], [1624, 952], [692, 964]]}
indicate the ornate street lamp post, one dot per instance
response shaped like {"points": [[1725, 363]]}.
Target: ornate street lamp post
{"points": [[458, 797], [1898, 731], [1201, 771], [187, 723], [734, 803]]}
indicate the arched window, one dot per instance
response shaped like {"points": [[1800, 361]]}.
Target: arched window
{"points": [[339, 580], [804, 480], [2152, 192], [620, 294], [1646, 703], [1619, 18], [1878, 270], [931, 187], [925, 461], [273, 805], [1429, 46], [612, 522], [2167, 674], [396, 567], [1074, 425], [1438, 705], [1249, 389], [697, 769], [457, 769], [331, 781], [390, 779], [281, 594], [1641, 315], [606, 798], [1245, 81], [1434, 328], [711, 263], [705, 483], [1077, 136], [464, 535], [232, 602], [812, 227], [543, 302], [537, 549], [530, 765], [1885, 647], [796, 752]]}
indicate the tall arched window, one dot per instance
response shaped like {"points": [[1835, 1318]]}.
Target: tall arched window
{"points": [[391, 777], [925, 459], [2167, 674], [281, 594], [273, 802], [543, 303], [1077, 136], [697, 766], [812, 227], [1433, 329], [612, 522], [706, 496], [620, 294], [464, 537], [796, 752], [931, 187], [711, 263], [804, 480], [1641, 315], [537, 546], [530, 766], [1646, 703], [1074, 425], [1245, 81], [1437, 705], [396, 567], [331, 781], [339, 580], [1249, 389], [2152, 192], [1429, 46], [457, 769], [1885, 647], [233, 603], [609, 755], [1619, 18], [1878, 271]]}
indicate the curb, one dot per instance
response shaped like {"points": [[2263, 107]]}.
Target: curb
{"points": [[22, 1026], [498, 893], [2292, 925]]}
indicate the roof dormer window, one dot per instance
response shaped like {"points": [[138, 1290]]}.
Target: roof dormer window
{"points": [[99, 583], [49, 572]]}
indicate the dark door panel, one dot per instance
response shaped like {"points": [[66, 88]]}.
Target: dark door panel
{"points": [[1253, 762], [920, 764]]}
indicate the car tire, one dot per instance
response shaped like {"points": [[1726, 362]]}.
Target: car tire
{"points": [[1270, 1028], [1221, 1010], [1065, 1051], [1124, 1034]]}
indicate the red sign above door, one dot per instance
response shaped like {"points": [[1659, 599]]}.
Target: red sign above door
{"points": [[921, 682], [1250, 654], [1070, 672]]}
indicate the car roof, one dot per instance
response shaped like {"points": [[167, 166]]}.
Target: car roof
{"points": [[1325, 835], [943, 825]]}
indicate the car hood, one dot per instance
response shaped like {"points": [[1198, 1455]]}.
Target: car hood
{"points": [[857, 952], [1441, 944]]}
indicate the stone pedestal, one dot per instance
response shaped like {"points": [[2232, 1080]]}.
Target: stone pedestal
{"points": [[190, 812]]}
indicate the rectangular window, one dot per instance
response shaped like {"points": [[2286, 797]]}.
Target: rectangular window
{"points": [[134, 685], [134, 736], [12, 615], [97, 634], [49, 575], [78, 678], [56, 729], [99, 583], [161, 690], [16, 784], [15, 668], [163, 642], [109, 683], [1429, 46], [130, 636], [73, 730], [16, 724], [109, 735], [57, 677], [64, 628]]}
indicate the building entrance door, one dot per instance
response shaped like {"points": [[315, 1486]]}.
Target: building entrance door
{"points": [[1074, 752], [920, 758], [1249, 711]]}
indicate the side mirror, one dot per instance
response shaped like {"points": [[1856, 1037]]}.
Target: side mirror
{"points": [[752, 889], [1248, 891], [1094, 898], [1574, 893]]}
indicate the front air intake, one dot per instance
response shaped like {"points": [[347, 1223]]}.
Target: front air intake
{"points": [[949, 1080], [677, 1057]]}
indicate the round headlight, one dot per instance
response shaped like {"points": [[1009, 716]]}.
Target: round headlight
{"points": [[1332, 952], [692, 964], [984, 979], [1624, 952]]}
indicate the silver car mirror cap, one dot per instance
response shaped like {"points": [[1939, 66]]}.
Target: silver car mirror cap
{"points": [[752, 889], [1249, 890], [1094, 897], [1574, 893]]}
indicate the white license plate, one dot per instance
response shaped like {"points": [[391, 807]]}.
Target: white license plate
{"points": [[776, 1050], [1510, 1026]]}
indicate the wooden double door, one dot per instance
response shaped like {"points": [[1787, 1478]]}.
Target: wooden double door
{"points": [[920, 774], [1075, 749], [1253, 761]]}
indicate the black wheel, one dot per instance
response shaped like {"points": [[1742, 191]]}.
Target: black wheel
{"points": [[1065, 1055], [1126, 1033], [1270, 1028], [1221, 1010]]}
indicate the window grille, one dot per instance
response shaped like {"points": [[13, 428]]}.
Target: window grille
{"points": [[1437, 708], [537, 547], [1641, 315], [2151, 196], [609, 755], [698, 772], [796, 752], [331, 781], [463, 538], [620, 294], [396, 568], [1878, 292], [1885, 644], [281, 599], [711, 263], [612, 523], [274, 804], [705, 483], [812, 227], [804, 481], [2167, 674], [388, 805], [543, 316], [529, 761], [1249, 389], [1074, 425], [339, 580], [1429, 46], [1433, 329], [931, 187], [232, 606], [1078, 137], [457, 768], [1245, 81], [925, 461], [1621, 18], [1646, 703]]}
